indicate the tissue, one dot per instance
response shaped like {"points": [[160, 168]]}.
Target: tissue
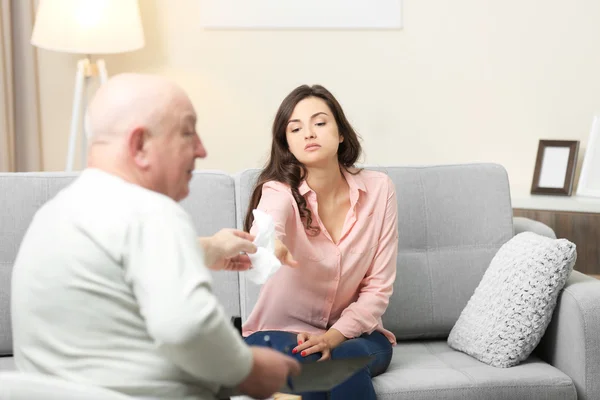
{"points": [[264, 262]]}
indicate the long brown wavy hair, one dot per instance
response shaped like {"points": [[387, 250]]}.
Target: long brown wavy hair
{"points": [[283, 167]]}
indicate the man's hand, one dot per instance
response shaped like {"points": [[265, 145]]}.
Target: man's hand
{"points": [[222, 251], [270, 370], [284, 255], [309, 344]]}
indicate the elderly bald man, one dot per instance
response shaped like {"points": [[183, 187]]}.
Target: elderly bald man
{"points": [[110, 286]]}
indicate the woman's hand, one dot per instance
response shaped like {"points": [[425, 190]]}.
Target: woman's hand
{"points": [[309, 343], [284, 255]]}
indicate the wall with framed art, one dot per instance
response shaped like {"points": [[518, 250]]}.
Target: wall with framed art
{"points": [[576, 218], [293, 14], [556, 163]]}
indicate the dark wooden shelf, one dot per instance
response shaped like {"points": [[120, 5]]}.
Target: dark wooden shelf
{"points": [[581, 228]]}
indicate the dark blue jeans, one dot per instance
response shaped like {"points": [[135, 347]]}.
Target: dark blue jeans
{"points": [[359, 386]]}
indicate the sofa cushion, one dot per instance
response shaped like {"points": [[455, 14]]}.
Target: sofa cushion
{"points": [[431, 370], [451, 222], [7, 363], [21, 194], [511, 308]]}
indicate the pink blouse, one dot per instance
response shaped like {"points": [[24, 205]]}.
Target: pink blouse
{"points": [[345, 286]]}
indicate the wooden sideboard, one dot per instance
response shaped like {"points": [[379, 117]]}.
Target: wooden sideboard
{"points": [[571, 217]]}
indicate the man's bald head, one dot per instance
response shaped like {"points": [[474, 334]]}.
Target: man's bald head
{"points": [[128, 101], [143, 129]]}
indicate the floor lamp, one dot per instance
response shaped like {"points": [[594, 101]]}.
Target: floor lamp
{"points": [[87, 27]]}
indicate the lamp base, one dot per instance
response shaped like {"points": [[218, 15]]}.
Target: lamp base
{"points": [[86, 70]]}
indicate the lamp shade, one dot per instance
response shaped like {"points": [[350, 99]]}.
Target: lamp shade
{"points": [[88, 26]]}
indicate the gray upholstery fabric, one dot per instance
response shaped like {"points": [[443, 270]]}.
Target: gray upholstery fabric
{"points": [[21, 194], [451, 222], [244, 183], [26, 386], [522, 224], [5, 324], [507, 315], [428, 370], [7, 364], [572, 340], [211, 204]]}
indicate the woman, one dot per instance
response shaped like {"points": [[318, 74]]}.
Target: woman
{"points": [[338, 225]]}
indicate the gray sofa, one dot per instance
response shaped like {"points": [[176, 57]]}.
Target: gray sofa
{"points": [[452, 220]]}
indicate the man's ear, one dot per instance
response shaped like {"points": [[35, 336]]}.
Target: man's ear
{"points": [[138, 147]]}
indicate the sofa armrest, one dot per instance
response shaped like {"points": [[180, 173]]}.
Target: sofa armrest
{"points": [[572, 340], [523, 224]]}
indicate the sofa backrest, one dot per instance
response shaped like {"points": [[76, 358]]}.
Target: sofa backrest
{"points": [[21, 195], [451, 221], [211, 204]]}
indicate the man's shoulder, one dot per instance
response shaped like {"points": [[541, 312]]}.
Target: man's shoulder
{"points": [[147, 206], [147, 202], [101, 197]]}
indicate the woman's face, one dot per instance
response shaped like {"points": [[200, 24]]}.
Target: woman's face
{"points": [[312, 133]]}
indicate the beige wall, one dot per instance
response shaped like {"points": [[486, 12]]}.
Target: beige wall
{"points": [[464, 81]]}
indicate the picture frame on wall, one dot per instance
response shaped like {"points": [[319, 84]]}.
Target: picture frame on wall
{"points": [[555, 167], [589, 179], [301, 14]]}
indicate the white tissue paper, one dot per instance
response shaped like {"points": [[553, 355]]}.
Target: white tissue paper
{"points": [[264, 262]]}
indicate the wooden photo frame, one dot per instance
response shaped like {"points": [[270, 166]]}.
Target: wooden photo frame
{"points": [[589, 179], [555, 167]]}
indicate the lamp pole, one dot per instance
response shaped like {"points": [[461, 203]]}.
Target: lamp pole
{"points": [[86, 70]]}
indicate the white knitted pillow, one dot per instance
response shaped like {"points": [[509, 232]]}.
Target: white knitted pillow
{"points": [[511, 308]]}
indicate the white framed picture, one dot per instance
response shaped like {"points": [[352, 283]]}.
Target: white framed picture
{"points": [[555, 167], [589, 179], [294, 14]]}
